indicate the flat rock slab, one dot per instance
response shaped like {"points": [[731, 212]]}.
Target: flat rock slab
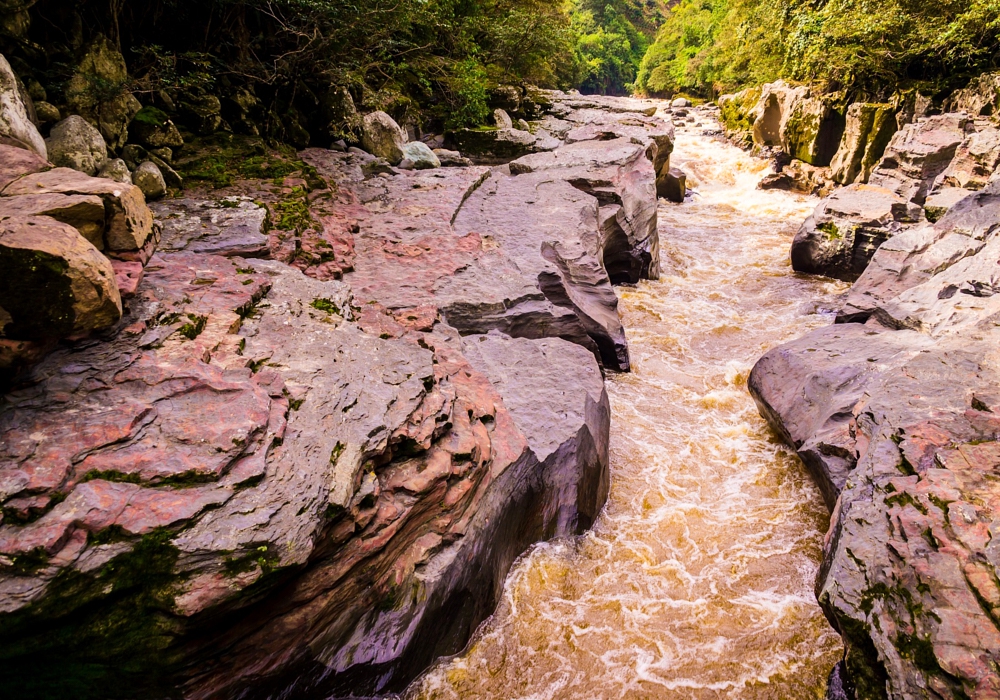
{"points": [[230, 226]]}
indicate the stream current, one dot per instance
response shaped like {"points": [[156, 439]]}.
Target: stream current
{"points": [[697, 579]]}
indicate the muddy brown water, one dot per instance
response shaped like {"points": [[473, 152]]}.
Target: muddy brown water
{"points": [[697, 580]]}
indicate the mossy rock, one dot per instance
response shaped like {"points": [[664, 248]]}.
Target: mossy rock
{"points": [[737, 114]]}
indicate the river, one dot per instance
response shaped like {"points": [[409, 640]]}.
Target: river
{"points": [[697, 580]]}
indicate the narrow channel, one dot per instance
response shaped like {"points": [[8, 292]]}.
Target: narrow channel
{"points": [[697, 580]]}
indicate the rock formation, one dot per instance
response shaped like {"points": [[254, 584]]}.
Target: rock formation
{"points": [[894, 408], [314, 471]]}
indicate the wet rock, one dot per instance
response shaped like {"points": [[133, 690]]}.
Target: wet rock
{"points": [[115, 170], [382, 137], [420, 156], [75, 144], [896, 418], [16, 125], [129, 225], [148, 178], [231, 226], [672, 186], [98, 91], [869, 128], [846, 229], [918, 153], [56, 284], [153, 128], [85, 213]]}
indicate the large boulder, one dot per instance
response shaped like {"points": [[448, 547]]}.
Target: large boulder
{"points": [[918, 153], [74, 143], [869, 127], [16, 162], [129, 224], [382, 137], [804, 126], [738, 114], [844, 231], [98, 91], [55, 283], [153, 128], [16, 125]]}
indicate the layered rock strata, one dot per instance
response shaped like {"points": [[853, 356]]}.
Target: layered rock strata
{"points": [[265, 481]]}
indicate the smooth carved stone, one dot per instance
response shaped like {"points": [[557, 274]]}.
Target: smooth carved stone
{"points": [[85, 213], [233, 226], [55, 284], [843, 233], [129, 223]]}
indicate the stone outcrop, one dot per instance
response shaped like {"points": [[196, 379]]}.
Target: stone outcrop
{"points": [[868, 130], [328, 479], [981, 98], [918, 153], [98, 91], [893, 409], [804, 125], [846, 229], [16, 125]]}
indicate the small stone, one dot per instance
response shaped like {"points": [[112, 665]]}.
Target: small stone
{"points": [[47, 113], [115, 170], [133, 154], [148, 178], [153, 128]]}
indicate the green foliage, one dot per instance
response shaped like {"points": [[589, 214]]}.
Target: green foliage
{"points": [[869, 47], [612, 37], [467, 93]]}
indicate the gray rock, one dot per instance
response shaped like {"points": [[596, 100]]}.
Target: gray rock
{"points": [[16, 126], [231, 226], [133, 154], [152, 127], [201, 111], [148, 178], [681, 102], [846, 229], [918, 153], [976, 158], [420, 155], [75, 144], [502, 120], [451, 159], [382, 137], [981, 98], [116, 170]]}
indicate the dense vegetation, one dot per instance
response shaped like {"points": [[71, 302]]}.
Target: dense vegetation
{"points": [[868, 47]]}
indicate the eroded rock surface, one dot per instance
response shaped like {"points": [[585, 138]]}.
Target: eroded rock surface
{"points": [[896, 418], [309, 475]]}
